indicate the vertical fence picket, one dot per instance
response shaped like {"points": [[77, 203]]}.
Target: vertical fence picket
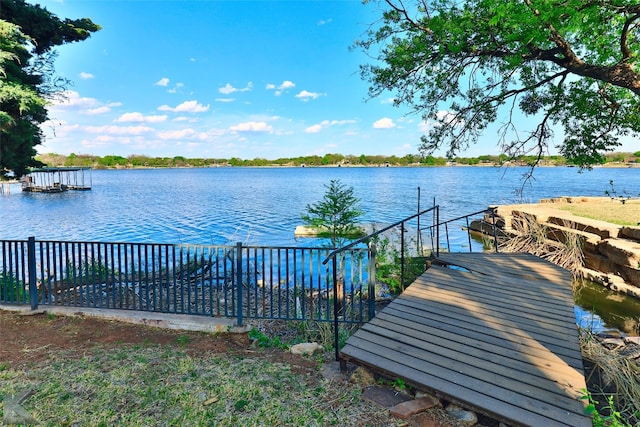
{"points": [[33, 285], [239, 304]]}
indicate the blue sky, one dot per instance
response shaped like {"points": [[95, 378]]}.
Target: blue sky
{"points": [[224, 79]]}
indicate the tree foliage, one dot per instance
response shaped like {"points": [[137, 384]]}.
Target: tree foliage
{"points": [[28, 36], [337, 213], [464, 64]]}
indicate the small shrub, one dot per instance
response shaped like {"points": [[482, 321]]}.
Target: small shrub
{"points": [[614, 418], [12, 289], [264, 341], [89, 271]]}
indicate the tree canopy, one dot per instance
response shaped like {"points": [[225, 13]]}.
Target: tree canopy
{"points": [[531, 66], [28, 36]]}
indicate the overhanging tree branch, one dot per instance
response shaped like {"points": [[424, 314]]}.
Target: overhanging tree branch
{"points": [[478, 54]]}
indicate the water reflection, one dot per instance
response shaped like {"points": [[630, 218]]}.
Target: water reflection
{"points": [[601, 309]]}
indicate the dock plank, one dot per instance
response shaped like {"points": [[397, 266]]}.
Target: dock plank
{"points": [[496, 333]]}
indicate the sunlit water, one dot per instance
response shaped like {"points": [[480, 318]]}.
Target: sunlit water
{"points": [[262, 206]]}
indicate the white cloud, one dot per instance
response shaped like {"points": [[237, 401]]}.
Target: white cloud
{"points": [[72, 99], [326, 123], [186, 107], [140, 118], [162, 82], [314, 128], [285, 85], [225, 99], [177, 134], [99, 110], [253, 127], [305, 95], [227, 89], [388, 101], [86, 76], [448, 116], [176, 88], [325, 21], [384, 123], [444, 115], [119, 130]]}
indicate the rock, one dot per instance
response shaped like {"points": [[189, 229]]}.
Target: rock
{"points": [[384, 397], [420, 394], [631, 233], [466, 417], [406, 409], [307, 348], [331, 371], [634, 340]]}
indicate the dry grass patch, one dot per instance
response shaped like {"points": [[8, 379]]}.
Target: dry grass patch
{"points": [[613, 379], [532, 237], [609, 210], [163, 385]]}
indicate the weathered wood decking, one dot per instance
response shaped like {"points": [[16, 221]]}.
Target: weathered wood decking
{"points": [[499, 337]]}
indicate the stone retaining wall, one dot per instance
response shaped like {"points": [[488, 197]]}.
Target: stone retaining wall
{"points": [[611, 252]]}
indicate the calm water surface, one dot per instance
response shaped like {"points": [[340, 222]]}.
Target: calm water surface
{"points": [[262, 206]]}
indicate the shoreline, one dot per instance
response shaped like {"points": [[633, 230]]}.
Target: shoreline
{"points": [[417, 166]]}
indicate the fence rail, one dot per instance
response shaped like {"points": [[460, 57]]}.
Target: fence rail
{"points": [[287, 283]]}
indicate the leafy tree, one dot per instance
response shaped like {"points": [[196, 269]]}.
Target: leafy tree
{"points": [[463, 64], [337, 213], [28, 36]]}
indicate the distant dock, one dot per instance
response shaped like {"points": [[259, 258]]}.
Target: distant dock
{"points": [[57, 180]]}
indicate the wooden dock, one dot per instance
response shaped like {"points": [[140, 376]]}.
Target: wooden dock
{"points": [[495, 333]]}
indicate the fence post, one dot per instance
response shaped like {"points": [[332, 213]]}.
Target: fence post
{"points": [[239, 282], [372, 280], [402, 231], [495, 226], [437, 230], [31, 265], [336, 331]]}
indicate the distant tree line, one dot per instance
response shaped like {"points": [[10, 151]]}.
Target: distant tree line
{"points": [[141, 161]]}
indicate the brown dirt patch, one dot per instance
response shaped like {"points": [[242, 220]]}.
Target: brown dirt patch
{"points": [[30, 339]]}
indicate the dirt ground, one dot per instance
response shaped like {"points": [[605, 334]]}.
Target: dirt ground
{"points": [[29, 339]]}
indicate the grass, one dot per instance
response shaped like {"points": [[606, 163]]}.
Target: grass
{"points": [[609, 210], [162, 385], [617, 372]]}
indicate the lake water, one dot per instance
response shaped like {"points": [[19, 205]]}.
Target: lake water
{"points": [[262, 206]]}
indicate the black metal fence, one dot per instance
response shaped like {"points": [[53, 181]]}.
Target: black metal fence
{"points": [[288, 283], [243, 282]]}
